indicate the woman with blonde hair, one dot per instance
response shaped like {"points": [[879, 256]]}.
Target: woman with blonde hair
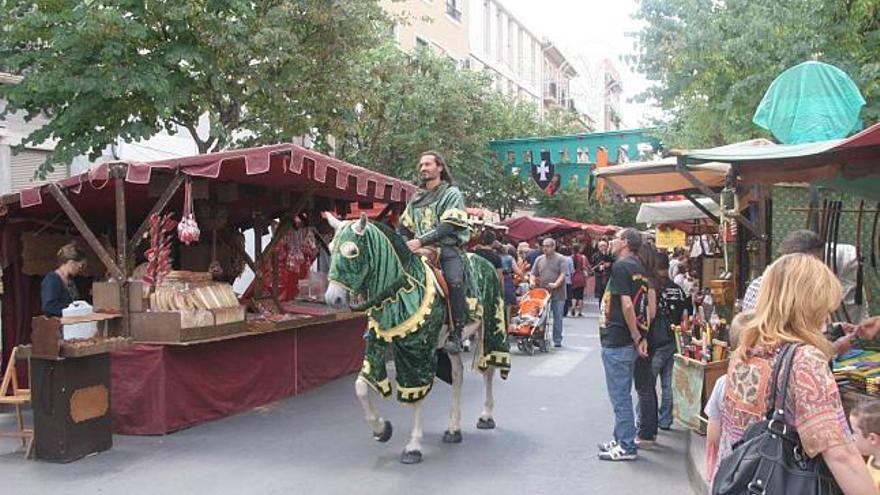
{"points": [[797, 296]]}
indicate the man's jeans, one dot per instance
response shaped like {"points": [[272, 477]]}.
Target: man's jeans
{"points": [[619, 363], [558, 308], [661, 364]]}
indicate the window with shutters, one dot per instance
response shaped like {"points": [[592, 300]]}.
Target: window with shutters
{"points": [[25, 163]]}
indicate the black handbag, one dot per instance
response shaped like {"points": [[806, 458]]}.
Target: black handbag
{"points": [[770, 459]]}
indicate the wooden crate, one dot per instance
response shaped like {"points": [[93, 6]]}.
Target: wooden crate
{"points": [[692, 385], [105, 296], [180, 326]]}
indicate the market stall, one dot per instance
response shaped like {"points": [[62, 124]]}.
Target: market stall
{"points": [[165, 240], [530, 228], [693, 227]]}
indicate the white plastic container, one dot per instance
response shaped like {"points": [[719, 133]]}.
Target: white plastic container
{"points": [[79, 330]]}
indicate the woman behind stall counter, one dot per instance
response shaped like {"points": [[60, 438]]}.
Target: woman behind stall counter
{"points": [[58, 290]]}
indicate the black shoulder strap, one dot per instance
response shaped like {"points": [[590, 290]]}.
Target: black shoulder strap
{"points": [[789, 359], [774, 379]]}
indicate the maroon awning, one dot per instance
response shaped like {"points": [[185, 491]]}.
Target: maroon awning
{"points": [[278, 168]]}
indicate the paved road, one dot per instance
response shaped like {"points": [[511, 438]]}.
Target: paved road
{"points": [[551, 412]]}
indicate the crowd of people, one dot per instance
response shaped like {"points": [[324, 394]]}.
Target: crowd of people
{"points": [[644, 292], [649, 291]]}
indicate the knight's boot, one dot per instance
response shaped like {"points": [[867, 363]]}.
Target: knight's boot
{"points": [[459, 314], [453, 341]]}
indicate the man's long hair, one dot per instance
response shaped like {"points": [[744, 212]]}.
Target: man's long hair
{"points": [[446, 174]]}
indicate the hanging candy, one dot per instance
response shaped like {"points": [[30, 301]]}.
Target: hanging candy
{"points": [[188, 230]]}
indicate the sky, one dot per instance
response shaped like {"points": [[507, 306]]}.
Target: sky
{"points": [[588, 31]]}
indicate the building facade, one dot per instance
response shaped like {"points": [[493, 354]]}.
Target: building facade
{"points": [[441, 25], [502, 45], [613, 89], [558, 74]]}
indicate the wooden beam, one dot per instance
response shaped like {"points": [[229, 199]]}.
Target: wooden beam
{"points": [[85, 231], [703, 209], [237, 248], [122, 246], [703, 188], [160, 205], [385, 211], [748, 224], [287, 223]]}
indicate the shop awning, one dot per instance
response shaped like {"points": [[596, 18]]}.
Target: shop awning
{"points": [[675, 211], [660, 177], [528, 228], [851, 164], [262, 173]]}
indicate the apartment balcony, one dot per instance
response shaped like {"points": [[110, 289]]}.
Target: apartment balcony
{"points": [[453, 11], [551, 91]]}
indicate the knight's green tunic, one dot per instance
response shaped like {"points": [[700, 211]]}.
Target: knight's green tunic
{"points": [[443, 204]]}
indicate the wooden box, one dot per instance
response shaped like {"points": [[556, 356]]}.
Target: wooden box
{"points": [[71, 407], [182, 326], [105, 296], [223, 316], [692, 385]]}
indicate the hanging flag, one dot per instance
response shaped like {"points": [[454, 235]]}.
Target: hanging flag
{"points": [[601, 161], [543, 171]]}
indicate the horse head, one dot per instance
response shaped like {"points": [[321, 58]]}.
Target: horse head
{"points": [[367, 259]]}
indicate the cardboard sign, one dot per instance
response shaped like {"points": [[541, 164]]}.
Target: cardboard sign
{"points": [[671, 238]]}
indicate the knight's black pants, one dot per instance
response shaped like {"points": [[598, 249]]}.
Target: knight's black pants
{"points": [[452, 265]]}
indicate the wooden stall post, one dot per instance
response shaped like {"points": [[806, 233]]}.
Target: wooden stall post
{"points": [[85, 231], [259, 228], [122, 246]]}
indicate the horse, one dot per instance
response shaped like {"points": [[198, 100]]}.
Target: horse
{"points": [[407, 314]]}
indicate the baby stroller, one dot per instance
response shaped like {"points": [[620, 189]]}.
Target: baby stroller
{"points": [[529, 326]]}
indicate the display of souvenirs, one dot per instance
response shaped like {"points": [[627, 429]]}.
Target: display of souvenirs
{"points": [[702, 341], [294, 254], [159, 253], [860, 369]]}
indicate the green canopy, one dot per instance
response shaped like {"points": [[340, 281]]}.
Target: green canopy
{"points": [[810, 102]]}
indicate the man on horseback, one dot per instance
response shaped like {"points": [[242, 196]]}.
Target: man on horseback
{"points": [[436, 217]]}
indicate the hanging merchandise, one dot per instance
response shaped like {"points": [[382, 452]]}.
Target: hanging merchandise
{"points": [[294, 253], [159, 253], [188, 230]]}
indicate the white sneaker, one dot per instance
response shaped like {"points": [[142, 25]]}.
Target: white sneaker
{"points": [[605, 447], [617, 454]]}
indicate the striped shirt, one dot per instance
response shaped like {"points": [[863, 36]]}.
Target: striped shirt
{"points": [[750, 300]]}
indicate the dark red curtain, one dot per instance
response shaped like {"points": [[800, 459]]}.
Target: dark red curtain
{"points": [[20, 299]]}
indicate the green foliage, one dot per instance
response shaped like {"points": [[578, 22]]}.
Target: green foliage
{"points": [[262, 71], [712, 61], [419, 102], [572, 203]]}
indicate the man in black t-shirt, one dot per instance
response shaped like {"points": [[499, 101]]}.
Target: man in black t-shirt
{"points": [[623, 325]]}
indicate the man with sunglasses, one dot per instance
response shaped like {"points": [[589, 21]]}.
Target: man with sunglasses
{"points": [[623, 326], [548, 272]]}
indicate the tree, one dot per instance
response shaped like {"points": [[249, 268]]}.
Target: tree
{"points": [[262, 71], [572, 203], [421, 101], [712, 61]]}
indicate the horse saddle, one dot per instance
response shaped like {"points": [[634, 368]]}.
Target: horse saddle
{"points": [[432, 256]]}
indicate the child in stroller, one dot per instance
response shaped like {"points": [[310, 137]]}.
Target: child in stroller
{"points": [[529, 326]]}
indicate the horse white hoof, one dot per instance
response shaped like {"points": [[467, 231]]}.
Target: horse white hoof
{"points": [[385, 434], [452, 436], [411, 457], [485, 424]]}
